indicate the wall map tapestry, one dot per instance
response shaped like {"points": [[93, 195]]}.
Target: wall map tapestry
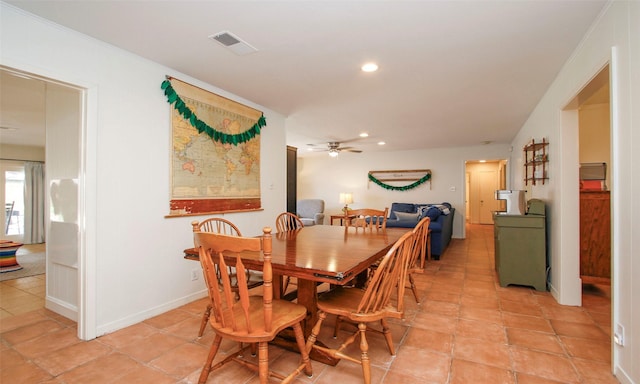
{"points": [[215, 156]]}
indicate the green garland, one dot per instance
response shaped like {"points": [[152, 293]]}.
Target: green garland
{"points": [[201, 126], [426, 178]]}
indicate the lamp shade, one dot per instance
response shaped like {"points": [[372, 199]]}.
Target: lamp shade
{"points": [[346, 197]]}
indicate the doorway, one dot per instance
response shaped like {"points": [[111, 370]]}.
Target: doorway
{"points": [[587, 127], [483, 178], [62, 107], [594, 138]]}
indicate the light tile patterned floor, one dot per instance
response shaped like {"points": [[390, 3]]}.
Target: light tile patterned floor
{"points": [[467, 329]]}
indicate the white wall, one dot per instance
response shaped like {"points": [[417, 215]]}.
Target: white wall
{"points": [[594, 136], [614, 38], [21, 152], [322, 177], [134, 254]]}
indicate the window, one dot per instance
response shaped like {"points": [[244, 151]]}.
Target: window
{"points": [[13, 191]]}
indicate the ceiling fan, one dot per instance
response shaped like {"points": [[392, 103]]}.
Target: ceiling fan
{"points": [[333, 147]]}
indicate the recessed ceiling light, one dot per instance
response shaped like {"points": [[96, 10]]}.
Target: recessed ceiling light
{"points": [[364, 134], [370, 67], [381, 143]]}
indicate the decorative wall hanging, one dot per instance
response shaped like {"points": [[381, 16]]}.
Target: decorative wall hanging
{"points": [[417, 176], [215, 152]]}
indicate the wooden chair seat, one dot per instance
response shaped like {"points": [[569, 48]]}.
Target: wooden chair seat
{"points": [[284, 312], [339, 301]]}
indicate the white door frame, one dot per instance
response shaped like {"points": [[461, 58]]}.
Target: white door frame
{"points": [[87, 219]]}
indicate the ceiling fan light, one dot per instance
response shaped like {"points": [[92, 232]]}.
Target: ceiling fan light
{"points": [[333, 153], [369, 67]]}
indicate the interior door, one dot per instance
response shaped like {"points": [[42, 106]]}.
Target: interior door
{"points": [[488, 183]]}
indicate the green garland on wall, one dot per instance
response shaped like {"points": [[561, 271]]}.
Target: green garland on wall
{"points": [[224, 138], [424, 179]]}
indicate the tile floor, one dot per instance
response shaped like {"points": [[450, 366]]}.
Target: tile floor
{"points": [[23, 295], [467, 329]]}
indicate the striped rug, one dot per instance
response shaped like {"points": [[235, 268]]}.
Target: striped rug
{"points": [[32, 264]]}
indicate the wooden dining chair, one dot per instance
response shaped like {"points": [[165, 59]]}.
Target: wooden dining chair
{"points": [[225, 227], [364, 306], [252, 319], [287, 221], [369, 218], [420, 242], [419, 250]]}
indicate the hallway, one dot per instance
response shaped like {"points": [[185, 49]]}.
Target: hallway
{"points": [[467, 329]]}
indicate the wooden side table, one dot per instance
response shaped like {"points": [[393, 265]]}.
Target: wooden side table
{"points": [[341, 217], [8, 261]]}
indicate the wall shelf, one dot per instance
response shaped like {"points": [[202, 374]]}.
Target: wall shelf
{"points": [[536, 161]]}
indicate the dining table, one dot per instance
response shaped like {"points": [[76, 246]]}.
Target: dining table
{"points": [[321, 254]]}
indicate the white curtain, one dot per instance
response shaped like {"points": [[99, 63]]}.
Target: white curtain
{"points": [[34, 194]]}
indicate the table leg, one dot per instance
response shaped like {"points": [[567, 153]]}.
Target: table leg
{"points": [[307, 296], [277, 286]]}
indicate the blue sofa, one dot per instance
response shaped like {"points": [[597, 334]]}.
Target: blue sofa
{"points": [[407, 215]]}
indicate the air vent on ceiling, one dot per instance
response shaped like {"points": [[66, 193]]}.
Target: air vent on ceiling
{"points": [[233, 42]]}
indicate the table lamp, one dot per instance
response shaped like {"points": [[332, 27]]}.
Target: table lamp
{"points": [[346, 198]]}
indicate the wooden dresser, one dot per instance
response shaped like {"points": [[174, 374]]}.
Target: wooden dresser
{"points": [[595, 236]]}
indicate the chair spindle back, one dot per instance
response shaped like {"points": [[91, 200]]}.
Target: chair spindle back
{"points": [[369, 218], [216, 225], [212, 250], [390, 274], [420, 241], [288, 221]]}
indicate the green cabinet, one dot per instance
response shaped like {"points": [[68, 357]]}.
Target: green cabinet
{"points": [[520, 250]]}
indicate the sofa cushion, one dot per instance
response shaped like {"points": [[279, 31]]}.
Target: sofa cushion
{"points": [[431, 212], [307, 222], [406, 216], [401, 224], [444, 207], [401, 207]]}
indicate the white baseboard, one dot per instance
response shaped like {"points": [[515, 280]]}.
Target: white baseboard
{"points": [[622, 376], [147, 314], [62, 308]]}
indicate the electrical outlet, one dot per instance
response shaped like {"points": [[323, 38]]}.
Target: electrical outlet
{"points": [[194, 274], [618, 335]]}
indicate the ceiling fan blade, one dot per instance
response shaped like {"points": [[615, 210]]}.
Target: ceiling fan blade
{"points": [[353, 150], [351, 140]]}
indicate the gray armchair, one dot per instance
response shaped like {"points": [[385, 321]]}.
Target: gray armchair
{"points": [[311, 211]]}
